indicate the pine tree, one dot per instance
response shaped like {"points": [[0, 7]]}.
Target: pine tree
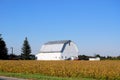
{"points": [[26, 50], [3, 49]]}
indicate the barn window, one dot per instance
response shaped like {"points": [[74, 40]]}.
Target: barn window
{"points": [[62, 57]]}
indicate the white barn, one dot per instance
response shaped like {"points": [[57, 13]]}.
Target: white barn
{"points": [[58, 50]]}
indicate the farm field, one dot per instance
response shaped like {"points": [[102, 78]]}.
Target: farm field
{"points": [[104, 70]]}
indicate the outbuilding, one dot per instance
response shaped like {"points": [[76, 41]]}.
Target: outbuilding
{"points": [[94, 59], [58, 50]]}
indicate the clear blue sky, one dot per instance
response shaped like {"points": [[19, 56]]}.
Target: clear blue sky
{"points": [[94, 25]]}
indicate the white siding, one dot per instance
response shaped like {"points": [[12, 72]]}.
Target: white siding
{"points": [[70, 51], [48, 56], [94, 59]]}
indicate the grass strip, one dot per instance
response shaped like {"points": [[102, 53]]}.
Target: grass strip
{"points": [[38, 76]]}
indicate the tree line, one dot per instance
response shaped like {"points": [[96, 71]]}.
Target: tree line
{"points": [[85, 57], [25, 51]]}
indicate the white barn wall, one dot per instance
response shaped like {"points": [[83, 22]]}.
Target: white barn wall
{"points": [[70, 50], [49, 56]]}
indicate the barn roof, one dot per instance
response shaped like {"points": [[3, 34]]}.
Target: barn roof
{"points": [[54, 46], [58, 42]]}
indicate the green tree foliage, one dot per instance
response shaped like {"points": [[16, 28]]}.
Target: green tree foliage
{"points": [[26, 50], [97, 55], [3, 49], [83, 57]]}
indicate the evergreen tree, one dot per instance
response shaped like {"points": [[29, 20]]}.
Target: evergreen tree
{"points": [[26, 50], [3, 49]]}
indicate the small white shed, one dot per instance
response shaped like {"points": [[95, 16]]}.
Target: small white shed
{"points": [[94, 59], [58, 50]]}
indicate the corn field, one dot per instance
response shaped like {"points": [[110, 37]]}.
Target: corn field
{"points": [[108, 70]]}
